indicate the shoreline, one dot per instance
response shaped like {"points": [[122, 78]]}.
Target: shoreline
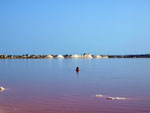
{"points": [[82, 56]]}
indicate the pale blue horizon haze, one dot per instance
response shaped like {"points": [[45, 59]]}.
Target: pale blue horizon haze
{"points": [[74, 26]]}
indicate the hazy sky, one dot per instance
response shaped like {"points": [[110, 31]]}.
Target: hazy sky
{"points": [[74, 26]]}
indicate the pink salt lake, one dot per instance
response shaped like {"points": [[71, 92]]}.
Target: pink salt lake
{"points": [[53, 86]]}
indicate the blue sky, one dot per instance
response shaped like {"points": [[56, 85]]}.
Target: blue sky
{"points": [[74, 26]]}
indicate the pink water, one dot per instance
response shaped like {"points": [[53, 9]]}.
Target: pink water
{"points": [[53, 86]]}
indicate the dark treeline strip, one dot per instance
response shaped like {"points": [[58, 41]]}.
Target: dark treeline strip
{"points": [[69, 56]]}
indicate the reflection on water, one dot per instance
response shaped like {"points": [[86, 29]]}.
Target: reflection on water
{"points": [[77, 73], [54, 86]]}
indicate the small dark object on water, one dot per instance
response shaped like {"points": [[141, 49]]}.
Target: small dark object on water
{"points": [[77, 69]]}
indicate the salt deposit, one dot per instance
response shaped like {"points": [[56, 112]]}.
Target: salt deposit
{"points": [[99, 95], [116, 98], [2, 89], [59, 56]]}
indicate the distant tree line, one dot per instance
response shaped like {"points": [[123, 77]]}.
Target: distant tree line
{"points": [[27, 56]]}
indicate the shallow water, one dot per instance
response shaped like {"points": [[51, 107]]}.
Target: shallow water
{"points": [[53, 86]]}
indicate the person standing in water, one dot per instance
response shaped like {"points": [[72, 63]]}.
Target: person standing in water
{"points": [[77, 69]]}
